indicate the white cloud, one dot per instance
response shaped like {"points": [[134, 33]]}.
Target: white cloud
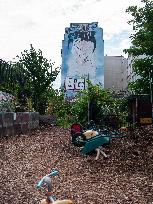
{"points": [[42, 23]]}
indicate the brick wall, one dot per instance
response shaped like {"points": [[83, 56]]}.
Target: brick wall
{"points": [[17, 123]]}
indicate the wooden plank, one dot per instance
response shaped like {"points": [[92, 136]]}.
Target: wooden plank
{"points": [[146, 120]]}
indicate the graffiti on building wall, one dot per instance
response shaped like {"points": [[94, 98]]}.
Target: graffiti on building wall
{"points": [[82, 56], [75, 84], [82, 59]]}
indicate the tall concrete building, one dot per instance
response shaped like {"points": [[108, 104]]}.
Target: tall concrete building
{"points": [[82, 57], [115, 73]]}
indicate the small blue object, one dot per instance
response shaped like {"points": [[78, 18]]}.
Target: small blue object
{"points": [[41, 182], [53, 173]]}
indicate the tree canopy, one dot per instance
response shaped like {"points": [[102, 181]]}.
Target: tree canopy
{"points": [[38, 77], [5, 73], [29, 78], [142, 46]]}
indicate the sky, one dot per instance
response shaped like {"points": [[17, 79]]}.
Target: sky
{"points": [[42, 23]]}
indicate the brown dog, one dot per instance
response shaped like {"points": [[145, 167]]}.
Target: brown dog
{"points": [[90, 133]]}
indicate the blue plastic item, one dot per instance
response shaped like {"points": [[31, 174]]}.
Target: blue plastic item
{"points": [[42, 181]]}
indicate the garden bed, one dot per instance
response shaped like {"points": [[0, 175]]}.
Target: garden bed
{"points": [[125, 177]]}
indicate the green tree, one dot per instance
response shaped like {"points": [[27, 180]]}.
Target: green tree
{"points": [[5, 76], [142, 46], [99, 103], [60, 108], [34, 76]]}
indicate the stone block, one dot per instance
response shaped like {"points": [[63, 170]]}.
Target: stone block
{"points": [[1, 120], [16, 123], [8, 131], [24, 128], [8, 119], [25, 117], [18, 118], [34, 124], [1, 131], [17, 129]]}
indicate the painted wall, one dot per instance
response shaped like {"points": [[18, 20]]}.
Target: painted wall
{"points": [[82, 54]]}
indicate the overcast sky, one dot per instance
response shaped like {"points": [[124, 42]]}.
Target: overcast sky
{"points": [[42, 23]]}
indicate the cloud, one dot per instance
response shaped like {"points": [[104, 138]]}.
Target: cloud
{"points": [[42, 23]]}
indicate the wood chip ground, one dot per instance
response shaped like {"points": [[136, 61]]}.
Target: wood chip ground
{"points": [[126, 177]]}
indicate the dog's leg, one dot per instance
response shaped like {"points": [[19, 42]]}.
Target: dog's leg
{"points": [[103, 153], [99, 150], [98, 153]]}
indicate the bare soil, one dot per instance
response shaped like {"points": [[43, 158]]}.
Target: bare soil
{"points": [[126, 177]]}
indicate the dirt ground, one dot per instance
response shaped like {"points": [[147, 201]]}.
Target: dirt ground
{"points": [[126, 177]]}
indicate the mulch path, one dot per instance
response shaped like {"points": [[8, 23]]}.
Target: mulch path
{"points": [[126, 177]]}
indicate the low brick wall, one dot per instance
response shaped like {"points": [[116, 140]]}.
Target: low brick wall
{"points": [[17, 123]]}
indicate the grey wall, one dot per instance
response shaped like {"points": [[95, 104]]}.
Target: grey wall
{"points": [[17, 123], [115, 70]]}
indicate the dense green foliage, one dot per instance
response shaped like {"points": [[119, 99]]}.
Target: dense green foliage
{"points": [[60, 108], [30, 78], [5, 76], [93, 103], [39, 75], [142, 46], [30, 82]]}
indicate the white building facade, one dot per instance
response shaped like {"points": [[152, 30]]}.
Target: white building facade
{"points": [[115, 73]]}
